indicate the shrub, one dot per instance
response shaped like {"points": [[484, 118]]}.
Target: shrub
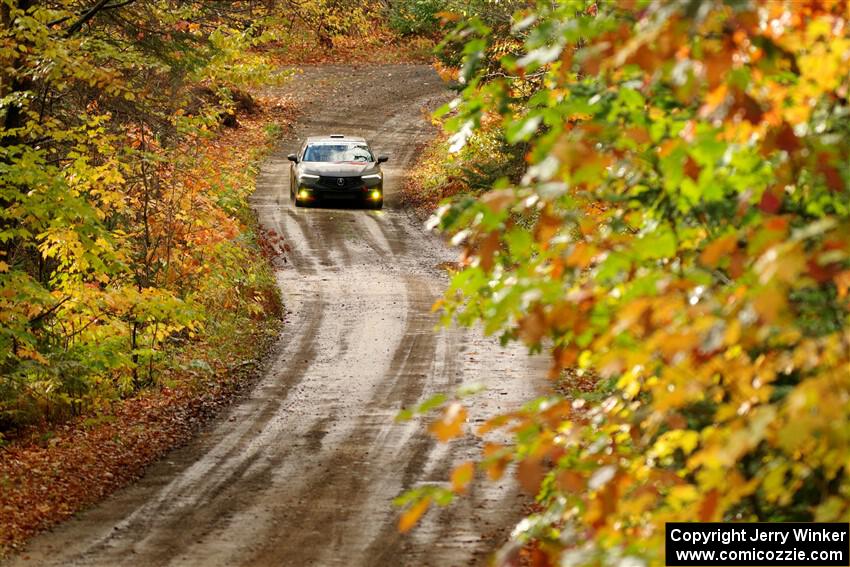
{"points": [[408, 17]]}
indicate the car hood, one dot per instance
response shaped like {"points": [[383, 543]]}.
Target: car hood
{"points": [[339, 169]]}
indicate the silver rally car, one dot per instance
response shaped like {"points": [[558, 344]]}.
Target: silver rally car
{"points": [[336, 167]]}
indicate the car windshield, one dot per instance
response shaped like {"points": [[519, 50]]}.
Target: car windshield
{"points": [[338, 152]]}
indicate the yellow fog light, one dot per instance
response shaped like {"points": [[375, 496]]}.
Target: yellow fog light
{"points": [[376, 194], [303, 193]]}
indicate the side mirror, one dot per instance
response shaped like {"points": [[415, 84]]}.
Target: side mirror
{"points": [[292, 157], [383, 159]]}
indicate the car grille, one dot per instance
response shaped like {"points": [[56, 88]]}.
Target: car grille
{"points": [[327, 182]]}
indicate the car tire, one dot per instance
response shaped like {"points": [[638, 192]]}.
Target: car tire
{"points": [[377, 206]]}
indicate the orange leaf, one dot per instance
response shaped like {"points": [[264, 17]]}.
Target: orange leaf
{"points": [[644, 58], [497, 201], [717, 66], [449, 425], [570, 481], [497, 464], [709, 506], [563, 357], [448, 16], [532, 327], [719, 248], [487, 249], [639, 134], [547, 226], [494, 423], [604, 504], [747, 107], [676, 421], [785, 139], [714, 99], [496, 469], [530, 474], [462, 476], [777, 224], [582, 255], [738, 264], [411, 515], [539, 558], [672, 345], [692, 168]]}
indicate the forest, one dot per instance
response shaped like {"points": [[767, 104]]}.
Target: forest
{"points": [[656, 195], [652, 194]]}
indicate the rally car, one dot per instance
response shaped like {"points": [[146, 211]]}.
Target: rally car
{"points": [[336, 167]]}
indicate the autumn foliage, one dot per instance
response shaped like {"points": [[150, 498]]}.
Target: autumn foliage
{"points": [[682, 235], [122, 237]]}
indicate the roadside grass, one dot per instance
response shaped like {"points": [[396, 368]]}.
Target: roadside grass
{"points": [[49, 471]]}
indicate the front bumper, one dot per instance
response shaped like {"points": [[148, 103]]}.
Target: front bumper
{"points": [[369, 192]]}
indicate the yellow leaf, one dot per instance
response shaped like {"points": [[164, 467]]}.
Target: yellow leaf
{"points": [[774, 483], [769, 303], [674, 344], [670, 441], [683, 496], [31, 354], [842, 282]]}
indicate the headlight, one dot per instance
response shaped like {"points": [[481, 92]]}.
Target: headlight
{"points": [[307, 176], [372, 176]]}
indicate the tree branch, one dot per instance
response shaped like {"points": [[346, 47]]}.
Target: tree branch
{"points": [[100, 6], [41, 316]]}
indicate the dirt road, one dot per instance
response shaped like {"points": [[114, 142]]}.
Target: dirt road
{"points": [[303, 470]]}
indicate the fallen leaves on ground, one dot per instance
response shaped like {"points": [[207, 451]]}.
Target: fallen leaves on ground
{"points": [[49, 472], [381, 45]]}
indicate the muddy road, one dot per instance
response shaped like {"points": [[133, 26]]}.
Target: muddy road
{"points": [[302, 470]]}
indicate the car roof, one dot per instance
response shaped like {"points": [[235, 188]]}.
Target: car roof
{"points": [[331, 138]]}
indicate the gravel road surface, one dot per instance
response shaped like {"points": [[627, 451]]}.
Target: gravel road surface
{"points": [[302, 471]]}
